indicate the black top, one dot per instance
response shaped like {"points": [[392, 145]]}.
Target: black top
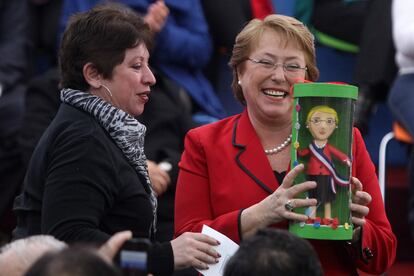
{"points": [[80, 187], [280, 176]]}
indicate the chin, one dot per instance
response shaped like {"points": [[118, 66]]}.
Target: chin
{"points": [[280, 111], [136, 110]]}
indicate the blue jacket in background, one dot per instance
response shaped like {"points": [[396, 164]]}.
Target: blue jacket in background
{"points": [[182, 49]]}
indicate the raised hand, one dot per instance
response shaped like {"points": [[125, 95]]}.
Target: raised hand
{"points": [[156, 16]]}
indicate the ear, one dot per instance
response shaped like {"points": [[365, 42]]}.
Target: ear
{"points": [[91, 75], [238, 74]]}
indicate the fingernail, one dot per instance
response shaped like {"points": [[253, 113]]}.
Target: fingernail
{"points": [[216, 260], [218, 242], [218, 255]]}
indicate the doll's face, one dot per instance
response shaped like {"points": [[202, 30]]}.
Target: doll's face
{"points": [[322, 125]]}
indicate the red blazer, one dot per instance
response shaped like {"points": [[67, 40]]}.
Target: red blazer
{"points": [[315, 166], [224, 169]]}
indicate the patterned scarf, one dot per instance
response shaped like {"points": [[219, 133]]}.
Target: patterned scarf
{"points": [[124, 129]]}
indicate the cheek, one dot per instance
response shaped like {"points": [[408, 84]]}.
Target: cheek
{"points": [[249, 94], [312, 133], [331, 131]]}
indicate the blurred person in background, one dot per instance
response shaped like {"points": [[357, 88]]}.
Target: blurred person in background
{"points": [[14, 47], [274, 252], [401, 98]]}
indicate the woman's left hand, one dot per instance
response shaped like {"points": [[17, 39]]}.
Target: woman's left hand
{"points": [[360, 201], [194, 249]]}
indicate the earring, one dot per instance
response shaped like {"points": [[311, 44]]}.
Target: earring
{"points": [[239, 82], [107, 89]]}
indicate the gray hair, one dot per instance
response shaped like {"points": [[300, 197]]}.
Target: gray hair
{"points": [[22, 253]]}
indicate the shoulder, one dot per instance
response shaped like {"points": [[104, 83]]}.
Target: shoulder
{"points": [[215, 136], [220, 128], [358, 141], [73, 128]]}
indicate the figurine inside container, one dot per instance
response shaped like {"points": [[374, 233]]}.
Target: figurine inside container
{"points": [[321, 122]]}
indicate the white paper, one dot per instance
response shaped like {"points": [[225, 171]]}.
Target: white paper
{"points": [[226, 248]]}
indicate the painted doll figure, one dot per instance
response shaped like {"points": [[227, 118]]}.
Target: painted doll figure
{"points": [[322, 121]]}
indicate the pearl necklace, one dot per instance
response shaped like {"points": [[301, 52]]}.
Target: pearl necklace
{"points": [[280, 147]]}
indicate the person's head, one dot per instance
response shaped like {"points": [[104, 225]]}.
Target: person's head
{"points": [[16, 257], [73, 261], [321, 121], [274, 252], [104, 51], [268, 57]]}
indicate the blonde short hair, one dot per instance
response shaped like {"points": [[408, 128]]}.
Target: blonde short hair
{"points": [[289, 28], [324, 109]]}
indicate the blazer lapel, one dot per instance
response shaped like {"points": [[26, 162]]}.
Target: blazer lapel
{"points": [[251, 157]]}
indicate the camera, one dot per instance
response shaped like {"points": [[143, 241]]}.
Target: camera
{"points": [[132, 258]]}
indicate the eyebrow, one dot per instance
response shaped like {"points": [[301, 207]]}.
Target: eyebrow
{"points": [[274, 57], [139, 59]]}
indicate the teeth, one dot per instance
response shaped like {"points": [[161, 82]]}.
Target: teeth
{"points": [[274, 93]]}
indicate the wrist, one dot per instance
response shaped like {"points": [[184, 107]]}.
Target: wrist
{"points": [[251, 220]]}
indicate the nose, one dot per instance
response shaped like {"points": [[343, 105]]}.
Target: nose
{"points": [[148, 77], [323, 125], [278, 73]]}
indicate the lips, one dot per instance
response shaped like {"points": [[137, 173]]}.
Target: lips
{"points": [[144, 96]]}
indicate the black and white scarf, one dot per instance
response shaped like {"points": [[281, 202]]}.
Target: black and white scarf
{"points": [[124, 129]]}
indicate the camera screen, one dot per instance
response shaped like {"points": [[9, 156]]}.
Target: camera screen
{"points": [[133, 260]]}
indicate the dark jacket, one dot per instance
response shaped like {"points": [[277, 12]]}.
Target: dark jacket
{"points": [[79, 187]]}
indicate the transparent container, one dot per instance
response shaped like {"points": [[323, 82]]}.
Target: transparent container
{"points": [[322, 141]]}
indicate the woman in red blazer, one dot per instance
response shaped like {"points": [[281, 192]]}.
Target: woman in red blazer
{"points": [[234, 173]]}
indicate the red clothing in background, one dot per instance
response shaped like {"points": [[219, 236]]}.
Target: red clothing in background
{"points": [[261, 8]]}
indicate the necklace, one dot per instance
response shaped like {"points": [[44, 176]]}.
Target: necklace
{"points": [[280, 147]]}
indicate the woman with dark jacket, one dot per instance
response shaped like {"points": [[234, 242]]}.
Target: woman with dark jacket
{"points": [[88, 175]]}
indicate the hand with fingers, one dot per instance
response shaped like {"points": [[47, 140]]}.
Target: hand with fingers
{"points": [[359, 205], [156, 16], [194, 249], [109, 249], [160, 179], [282, 202], [279, 205]]}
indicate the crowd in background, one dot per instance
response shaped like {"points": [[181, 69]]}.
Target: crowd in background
{"points": [[193, 42]]}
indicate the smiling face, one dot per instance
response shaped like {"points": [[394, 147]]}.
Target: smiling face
{"points": [[131, 80], [322, 125], [266, 90]]}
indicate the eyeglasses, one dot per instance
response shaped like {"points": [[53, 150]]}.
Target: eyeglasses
{"points": [[288, 68], [318, 121]]}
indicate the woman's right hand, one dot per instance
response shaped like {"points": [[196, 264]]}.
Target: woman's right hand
{"points": [[194, 249], [272, 209]]}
